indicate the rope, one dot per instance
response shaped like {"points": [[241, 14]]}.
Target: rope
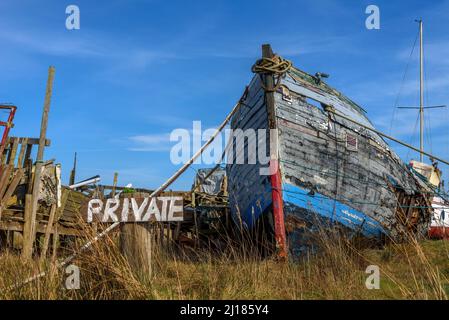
{"points": [[276, 66]]}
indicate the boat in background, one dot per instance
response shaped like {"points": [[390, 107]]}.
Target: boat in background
{"points": [[430, 173], [439, 226]]}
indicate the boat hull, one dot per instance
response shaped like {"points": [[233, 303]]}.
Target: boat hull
{"points": [[332, 171]]}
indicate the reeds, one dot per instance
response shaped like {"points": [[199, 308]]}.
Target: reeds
{"points": [[411, 270]]}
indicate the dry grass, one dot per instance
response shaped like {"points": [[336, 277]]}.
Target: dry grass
{"points": [[414, 270]]}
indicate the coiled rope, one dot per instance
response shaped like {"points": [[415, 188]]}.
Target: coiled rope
{"points": [[276, 66]]}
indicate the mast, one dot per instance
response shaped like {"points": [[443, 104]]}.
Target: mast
{"points": [[421, 92]]}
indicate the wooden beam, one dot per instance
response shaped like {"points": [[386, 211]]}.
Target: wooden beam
{"points": [[28, 151], [12, 187], [29, 141], [19, 226], [27, 248], [48, 231], [114, 184], [275, 177], [23, 147], [27, 252], [4, 180], [13, 151], [29, 169], [55, 243]]}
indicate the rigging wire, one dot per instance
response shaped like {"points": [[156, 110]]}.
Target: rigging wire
{"points": [[401, 87]]}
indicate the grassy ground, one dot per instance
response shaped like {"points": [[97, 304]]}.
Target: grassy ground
{"points": [[414, 270]]}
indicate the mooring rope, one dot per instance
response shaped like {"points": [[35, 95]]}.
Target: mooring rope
{"points": [[276, 66]]}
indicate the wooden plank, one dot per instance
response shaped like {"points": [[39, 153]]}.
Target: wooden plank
{"points": [[55, 243], [23, 147], [29, 141], [61, 209], [18, 226], [28, 151], [114, 184], [48, 231], [13, 151], [12, 187], [28, 226], [26, 254], [4, 180], [29, 169], [5, 151]]}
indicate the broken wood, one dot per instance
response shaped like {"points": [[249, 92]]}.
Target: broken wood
{"points": [[12, 187]]}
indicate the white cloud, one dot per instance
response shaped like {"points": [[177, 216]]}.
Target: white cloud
{"points": [[151, 142]]}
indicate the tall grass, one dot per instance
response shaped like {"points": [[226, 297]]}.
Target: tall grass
{"points": [[411, 270]]}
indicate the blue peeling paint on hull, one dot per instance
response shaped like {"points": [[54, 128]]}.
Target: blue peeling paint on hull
{"points": [[317, 210], [330, 210], [257, 207]]}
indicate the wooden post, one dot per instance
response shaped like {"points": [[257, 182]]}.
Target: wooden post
{"points": [[114, 184], [73, 173], [13, 151], [136, 242], [275, 176], [48, 231], [23, 147], [28, 245], [28, 151], [55, 243], [27, 227]]}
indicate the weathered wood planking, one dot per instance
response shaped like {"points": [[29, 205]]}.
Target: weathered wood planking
{"points": [[314, 154], [251, 192], [323, 153]]}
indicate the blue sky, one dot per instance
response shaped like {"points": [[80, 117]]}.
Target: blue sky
{"points": [[138, 69]]}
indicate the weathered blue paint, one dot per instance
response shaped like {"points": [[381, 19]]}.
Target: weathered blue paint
{"points": [[332, 210], [262, 200]]}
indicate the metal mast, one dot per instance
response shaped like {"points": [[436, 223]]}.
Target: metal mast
{"points": [[421, 93]]}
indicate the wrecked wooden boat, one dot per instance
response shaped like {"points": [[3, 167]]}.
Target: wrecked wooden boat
{"points": [[330, 165]]}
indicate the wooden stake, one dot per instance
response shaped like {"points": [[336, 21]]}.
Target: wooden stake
{"points": [[23, 147], [55, 243], [48, 230], [27, 228], [28, 247], [114, 184]]}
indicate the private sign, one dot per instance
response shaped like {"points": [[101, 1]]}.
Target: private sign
{"points": [[135, 209]]}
